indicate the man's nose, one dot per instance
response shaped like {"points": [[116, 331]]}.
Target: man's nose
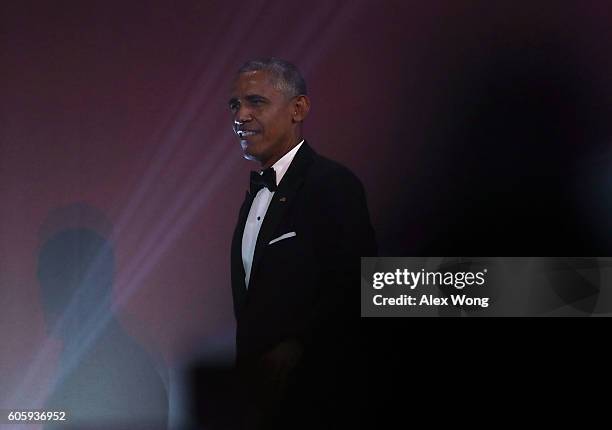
{"points": [[242, 115]]}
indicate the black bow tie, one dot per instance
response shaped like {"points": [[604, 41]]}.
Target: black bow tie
{"points": [[267, 179]]}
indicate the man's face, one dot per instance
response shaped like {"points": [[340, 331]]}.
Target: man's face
{"points": [[263, 117]]}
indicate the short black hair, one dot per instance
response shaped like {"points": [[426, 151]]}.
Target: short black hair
{"points": [[287, 77]]}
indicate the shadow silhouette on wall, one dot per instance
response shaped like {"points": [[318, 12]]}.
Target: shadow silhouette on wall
{"points": [[105, 380]]}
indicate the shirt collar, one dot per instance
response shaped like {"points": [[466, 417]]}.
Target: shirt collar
{"points": [[281, 166]]}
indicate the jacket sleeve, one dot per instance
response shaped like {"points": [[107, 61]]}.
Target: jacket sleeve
{"points": [[343, 234]]}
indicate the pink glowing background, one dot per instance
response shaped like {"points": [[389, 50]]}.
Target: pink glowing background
{"points": [[123, 106]]}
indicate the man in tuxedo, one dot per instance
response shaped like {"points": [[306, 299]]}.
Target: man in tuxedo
{"points": [[295, 259]]}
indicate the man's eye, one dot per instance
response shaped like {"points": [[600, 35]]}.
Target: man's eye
{"points": [[234, 107]]}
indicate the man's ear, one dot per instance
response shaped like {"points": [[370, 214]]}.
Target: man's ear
{"points": [[301, 107]]}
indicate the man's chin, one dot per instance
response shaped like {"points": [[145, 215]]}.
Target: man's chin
{"points": [[247, 151], [249, 157]]}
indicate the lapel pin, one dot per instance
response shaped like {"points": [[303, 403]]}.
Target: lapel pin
{"points": [[282, 199]]}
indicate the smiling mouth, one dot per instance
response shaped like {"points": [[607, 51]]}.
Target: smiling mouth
{"points": [[243, 134]]}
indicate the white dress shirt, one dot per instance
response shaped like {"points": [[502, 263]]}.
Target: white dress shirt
{"points": [[259, 207]]}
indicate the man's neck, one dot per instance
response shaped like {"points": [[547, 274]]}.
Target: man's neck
{"points": [[272, 160]]}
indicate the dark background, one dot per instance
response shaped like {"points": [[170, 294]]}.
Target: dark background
{"points": [[476, 127]]}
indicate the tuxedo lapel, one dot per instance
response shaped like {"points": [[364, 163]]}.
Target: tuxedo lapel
{"points": [[237, 266], [283, 197]]}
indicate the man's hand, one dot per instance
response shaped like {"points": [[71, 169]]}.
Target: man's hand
{"points": [[277, 365]]}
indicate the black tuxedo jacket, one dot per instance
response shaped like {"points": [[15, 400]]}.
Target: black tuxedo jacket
{"points": [[305, 286]]}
